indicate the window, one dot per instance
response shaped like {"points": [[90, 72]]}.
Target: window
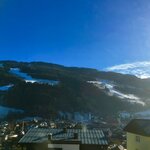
{"points": [[137, 138]]}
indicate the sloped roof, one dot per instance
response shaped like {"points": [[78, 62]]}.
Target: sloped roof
{"points": [[39, 135], [139, 126]]}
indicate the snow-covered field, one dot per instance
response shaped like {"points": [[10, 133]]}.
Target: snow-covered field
{"points": [[5, 110], [6, 87], [111, 91], [28, 78]]}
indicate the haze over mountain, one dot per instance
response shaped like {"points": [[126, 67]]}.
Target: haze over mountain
{"points": [[40, 88], [139, 69]]}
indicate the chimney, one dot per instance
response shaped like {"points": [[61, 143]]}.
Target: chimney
{"points": [[50, 136], [75, 136]]}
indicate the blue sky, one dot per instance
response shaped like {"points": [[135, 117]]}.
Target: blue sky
{"points": [[87, 33]]}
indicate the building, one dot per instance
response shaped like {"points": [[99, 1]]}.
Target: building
{"points": [[138, 134], [82, 117], [124, 115], [64, 139]]}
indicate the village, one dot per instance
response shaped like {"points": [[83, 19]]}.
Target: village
{"points": [[111, 131]]}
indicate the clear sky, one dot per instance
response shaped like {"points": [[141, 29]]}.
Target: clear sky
{"points": [[87, 33]]}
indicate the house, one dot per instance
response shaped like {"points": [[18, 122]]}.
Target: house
{"points": [[138, 134], [63, 139]]}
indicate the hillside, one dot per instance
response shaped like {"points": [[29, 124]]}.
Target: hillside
{"points": [[40, 88]]}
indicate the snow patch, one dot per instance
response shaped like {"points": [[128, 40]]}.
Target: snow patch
{"points": [[6, 87], [28, 78], [110, 86]]}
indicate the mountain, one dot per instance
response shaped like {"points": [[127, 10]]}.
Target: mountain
{"points": [[40, 88]]}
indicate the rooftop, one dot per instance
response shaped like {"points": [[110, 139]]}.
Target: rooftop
{"points": [[139, 126], [39, 135]]}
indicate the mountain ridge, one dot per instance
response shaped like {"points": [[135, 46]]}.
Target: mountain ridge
{"points": [[73, 91]]}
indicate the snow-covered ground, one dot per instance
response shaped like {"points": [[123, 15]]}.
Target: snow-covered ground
{"points": [[5, 110], [6, 87], [28, 78], [110, 86]]}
